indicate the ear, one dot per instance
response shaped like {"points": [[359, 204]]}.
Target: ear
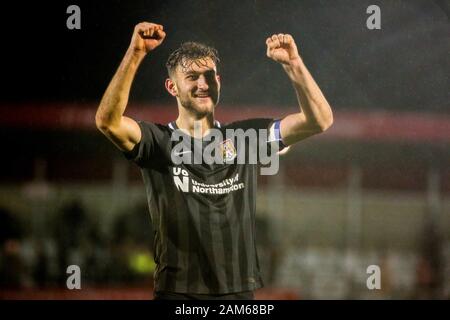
{"points": [[171, 87], [218, 78]]}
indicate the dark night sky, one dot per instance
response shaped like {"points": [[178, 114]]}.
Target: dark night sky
{"points": [[403, 66]]}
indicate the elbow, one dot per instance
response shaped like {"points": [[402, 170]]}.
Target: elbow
{"points": [[326, 123], [101, 123], [322, 126], [106, 126]]}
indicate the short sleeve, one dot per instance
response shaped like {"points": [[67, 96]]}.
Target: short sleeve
{"points": [[267, 133], [148, 148], [275, 138]]}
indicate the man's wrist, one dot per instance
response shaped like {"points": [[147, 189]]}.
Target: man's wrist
{"points": [[135, 55], [294, 63], [294, 68]]}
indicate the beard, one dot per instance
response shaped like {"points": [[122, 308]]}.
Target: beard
{"points": [[199, 108]]}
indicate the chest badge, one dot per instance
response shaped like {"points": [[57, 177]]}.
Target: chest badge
{"points": [[228, 150]]}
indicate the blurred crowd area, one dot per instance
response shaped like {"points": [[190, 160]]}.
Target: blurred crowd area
{"points": [[315, 242], [36, 251]]}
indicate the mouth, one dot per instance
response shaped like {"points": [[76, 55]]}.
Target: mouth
{"points": [[202, 95]]}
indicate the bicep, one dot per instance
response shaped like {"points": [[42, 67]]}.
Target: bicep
{"points": [[125, 135], [294, 128]]}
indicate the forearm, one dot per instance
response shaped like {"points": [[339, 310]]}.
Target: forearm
{"points": [[115, 98], [313, 103]]}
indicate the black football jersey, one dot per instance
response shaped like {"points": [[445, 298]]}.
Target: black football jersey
{"points": [[203, 214]]}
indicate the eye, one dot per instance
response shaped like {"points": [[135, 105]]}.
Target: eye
{"points": [[210, 74], [192, 77]]}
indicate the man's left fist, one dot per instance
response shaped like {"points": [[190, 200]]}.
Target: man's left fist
{"points": [[282, 48]]}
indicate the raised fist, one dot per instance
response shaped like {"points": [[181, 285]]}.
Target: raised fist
{"points": [[146, 37], [282, 48]]}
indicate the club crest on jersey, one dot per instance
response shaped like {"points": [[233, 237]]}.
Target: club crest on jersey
{"points": [[228, 150]]}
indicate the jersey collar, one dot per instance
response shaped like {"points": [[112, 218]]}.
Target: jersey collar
{"points": [[173, 125]]}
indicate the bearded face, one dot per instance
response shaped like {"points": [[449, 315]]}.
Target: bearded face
{"points": [[197, 85]]}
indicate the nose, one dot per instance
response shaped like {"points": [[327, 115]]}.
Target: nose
{"points": [[202, 83]]}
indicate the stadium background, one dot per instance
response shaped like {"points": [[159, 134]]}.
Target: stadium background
{"points": [[373, 190]]}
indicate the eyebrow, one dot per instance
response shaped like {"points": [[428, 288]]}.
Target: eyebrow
{"points": [[197, 73]]}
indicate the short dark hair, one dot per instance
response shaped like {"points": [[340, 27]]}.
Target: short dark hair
{"points": [[188, 52]]}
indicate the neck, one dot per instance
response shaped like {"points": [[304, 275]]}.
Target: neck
{"points": [[196, 125]]}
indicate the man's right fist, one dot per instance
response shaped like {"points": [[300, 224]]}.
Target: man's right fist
{"points": [[146, 37]]}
